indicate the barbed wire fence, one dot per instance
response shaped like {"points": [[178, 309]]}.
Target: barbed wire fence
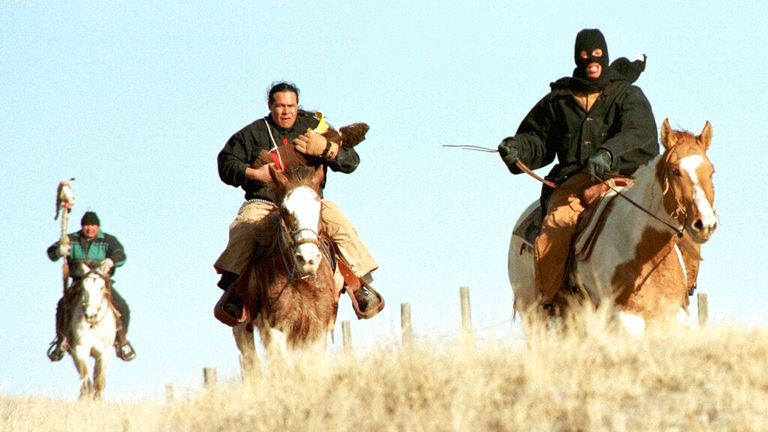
{"points": [[467, 333]]}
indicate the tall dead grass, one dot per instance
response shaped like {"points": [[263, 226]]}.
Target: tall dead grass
{"points": [[593, 379]]}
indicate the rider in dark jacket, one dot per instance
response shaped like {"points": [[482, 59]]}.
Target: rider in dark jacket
{"points": [[243, 149], [594, 122]]}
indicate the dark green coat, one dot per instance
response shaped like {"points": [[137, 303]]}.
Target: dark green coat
{"points": [[98, 249], [620, 121]]}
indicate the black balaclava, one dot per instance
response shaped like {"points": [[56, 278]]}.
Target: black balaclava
{"points": [[588, 40]]}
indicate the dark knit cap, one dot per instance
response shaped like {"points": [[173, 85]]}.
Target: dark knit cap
{"points": [[90, 218]]}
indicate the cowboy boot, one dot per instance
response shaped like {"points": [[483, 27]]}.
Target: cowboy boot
{"points": [[230, 307]]}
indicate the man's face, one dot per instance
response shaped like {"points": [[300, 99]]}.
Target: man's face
{"points": [[90, 231], [284, 108], [593, 68]]}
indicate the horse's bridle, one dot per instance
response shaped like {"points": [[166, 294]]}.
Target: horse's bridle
{"points": [[104, 305], [292, 243]]}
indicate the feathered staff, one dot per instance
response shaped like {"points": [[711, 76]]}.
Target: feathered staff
{"points": [[65, 200]]}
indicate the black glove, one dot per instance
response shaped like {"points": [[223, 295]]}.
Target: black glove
{"points": [[600, 163], [508, 152]]}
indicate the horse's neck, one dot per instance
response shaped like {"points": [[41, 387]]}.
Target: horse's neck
{"points": [[647, 192]]}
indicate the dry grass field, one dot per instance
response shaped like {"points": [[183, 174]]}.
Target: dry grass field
{"points": [[591, 379]]}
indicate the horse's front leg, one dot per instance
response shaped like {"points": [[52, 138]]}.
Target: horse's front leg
{"points": [[80, 358], [245, 344], [276, 344], [100, 375]]}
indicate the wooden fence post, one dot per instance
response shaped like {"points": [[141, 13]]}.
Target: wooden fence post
{"points": [[346, 336], [209, 377], [466, 311], [405, 324], [703, 307]]}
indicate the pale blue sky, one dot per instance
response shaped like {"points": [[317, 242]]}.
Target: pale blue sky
{"points": [[135, 100]]}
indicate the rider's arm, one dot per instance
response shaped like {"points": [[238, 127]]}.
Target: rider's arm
{"points": [[346, 161], [533, 136], [232, 163], [115, 250], [260, 174]]}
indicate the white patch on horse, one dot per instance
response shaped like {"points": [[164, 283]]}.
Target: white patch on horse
{"points": [[634, 324], [691, 165], [681, 261], [304, 204]]}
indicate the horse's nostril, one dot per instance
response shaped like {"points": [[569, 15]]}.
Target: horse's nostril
{"points": [[699, 225]]}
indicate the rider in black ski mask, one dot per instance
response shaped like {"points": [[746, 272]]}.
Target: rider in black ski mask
{"points": [[590, 49]]}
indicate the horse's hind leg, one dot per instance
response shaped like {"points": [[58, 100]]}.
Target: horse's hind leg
{"points": [[245, 343]]}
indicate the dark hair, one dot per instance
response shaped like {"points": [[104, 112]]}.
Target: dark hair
{"points": [[282, 86]]}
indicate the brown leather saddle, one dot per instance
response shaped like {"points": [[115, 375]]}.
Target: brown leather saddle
{"points": [[597, 200]]}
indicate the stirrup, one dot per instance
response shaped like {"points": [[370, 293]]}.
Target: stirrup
{"points": [[371, 310], [221, 314], [55, 353], [125, 351]]}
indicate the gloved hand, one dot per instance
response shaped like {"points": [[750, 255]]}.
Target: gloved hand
{"points": [[105, 267], [313, 144], [600, 163], [63, 250], [508, 152]]}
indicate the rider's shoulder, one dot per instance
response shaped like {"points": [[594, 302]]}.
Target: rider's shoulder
{"points": [[310, 118]]}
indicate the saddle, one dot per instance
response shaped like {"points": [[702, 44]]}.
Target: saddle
{"points": [[352, 284], [597, 200]]}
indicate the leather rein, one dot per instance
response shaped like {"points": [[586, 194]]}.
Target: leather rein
{"points": [[553, 185]]}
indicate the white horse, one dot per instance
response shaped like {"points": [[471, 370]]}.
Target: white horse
{"points": [[635, 263], [91, 329]]}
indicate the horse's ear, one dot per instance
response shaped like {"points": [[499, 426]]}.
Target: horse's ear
{"points": [[317, 178], [705, 137], [665, 133], [278, 177]]}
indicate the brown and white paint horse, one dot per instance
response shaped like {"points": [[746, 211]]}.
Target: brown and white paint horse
{"points": [[636, 262], [293, 295], [91, 329]]}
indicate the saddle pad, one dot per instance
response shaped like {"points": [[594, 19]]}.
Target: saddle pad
{"points": [[530, 227], [592, 222]]}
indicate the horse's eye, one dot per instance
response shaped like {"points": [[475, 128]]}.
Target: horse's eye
{"points": [[676, 172]]}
